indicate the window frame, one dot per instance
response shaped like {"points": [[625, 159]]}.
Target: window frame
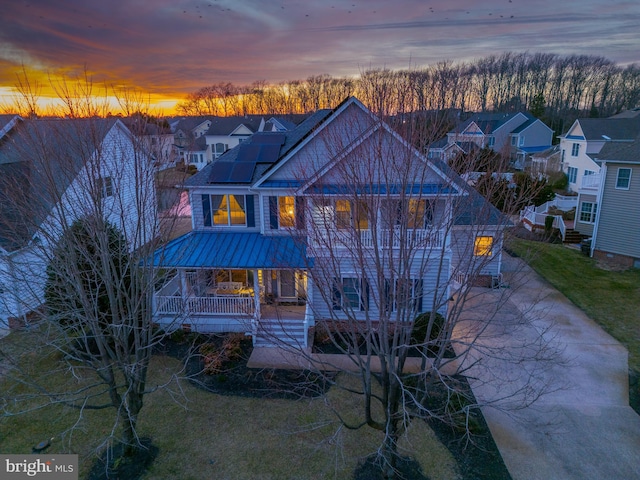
{"points": [[588, 216], [482, 250], [572, 174], [350, 293], [618, 178], [106, 187], [575, 149]]}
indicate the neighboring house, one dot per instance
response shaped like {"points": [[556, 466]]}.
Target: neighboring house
{"points": [[545, 162], [512, 134], [269, 215], [186, 131], [615, 211], [581, 144], [157, 139], [53, 172]]}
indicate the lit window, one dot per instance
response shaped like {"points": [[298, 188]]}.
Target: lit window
{"points": [[228, 210], [483, 246], [624, 179], [286, 212], [343, 214]]}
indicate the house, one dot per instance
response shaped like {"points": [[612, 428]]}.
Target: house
{"points": [[156, 138], [583, 141], [202, 140], [615, 211], [513, 134], [53, 172], [287, 225]]}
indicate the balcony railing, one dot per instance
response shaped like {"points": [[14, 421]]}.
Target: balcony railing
{"points": [[418, 238], [591, 181]]}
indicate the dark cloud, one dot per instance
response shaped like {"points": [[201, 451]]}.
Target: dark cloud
{"points": [[174, 47]]}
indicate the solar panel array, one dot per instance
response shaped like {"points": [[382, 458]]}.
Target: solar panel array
{"points": [[261, 148]]}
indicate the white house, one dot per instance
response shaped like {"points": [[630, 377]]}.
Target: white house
{"points": [[53, 172], [294, 227]]}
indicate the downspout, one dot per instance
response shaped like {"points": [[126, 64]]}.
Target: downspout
{"points": [[603, 177]]}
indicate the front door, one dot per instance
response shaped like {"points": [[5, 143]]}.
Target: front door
{"points": [[287, 285]]}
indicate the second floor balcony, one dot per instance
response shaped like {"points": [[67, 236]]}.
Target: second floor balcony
{"points": [[591, 182], [396, 237]]}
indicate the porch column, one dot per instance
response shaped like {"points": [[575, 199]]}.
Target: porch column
{"points": [[256, 299]]}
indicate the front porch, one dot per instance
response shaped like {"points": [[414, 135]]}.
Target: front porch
{"points": [[270, 305]]}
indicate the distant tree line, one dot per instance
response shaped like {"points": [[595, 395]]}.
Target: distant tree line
{"points": [[557, 89]]}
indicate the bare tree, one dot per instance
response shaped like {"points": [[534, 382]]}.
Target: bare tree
{"points": [[79, 221], [399, 245]]}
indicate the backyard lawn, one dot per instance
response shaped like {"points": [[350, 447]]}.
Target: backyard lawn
{"points": [[200, 434], [609, 297]]}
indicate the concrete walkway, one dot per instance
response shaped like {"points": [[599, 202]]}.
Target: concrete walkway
{"points": [[582, 427]]}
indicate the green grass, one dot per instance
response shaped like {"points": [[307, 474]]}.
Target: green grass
{"points": [[611, 298], [204, 435]]}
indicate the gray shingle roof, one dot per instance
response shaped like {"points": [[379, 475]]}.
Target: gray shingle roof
{"points": [[624, 152], [38, 161], [613, 128]]}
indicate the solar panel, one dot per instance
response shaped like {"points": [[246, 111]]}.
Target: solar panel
{"points": [[248, 152], [242, 172], [220, 172], [268, 138], [268, 154]]}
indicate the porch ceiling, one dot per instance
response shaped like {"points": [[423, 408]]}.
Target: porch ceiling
{"points": [[233, 250]]}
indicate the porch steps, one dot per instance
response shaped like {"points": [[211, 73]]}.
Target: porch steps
{"points": [[573, 236], [279, 332]]}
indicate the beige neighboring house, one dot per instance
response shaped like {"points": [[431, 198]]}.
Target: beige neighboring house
{"points": [[615, 213]]}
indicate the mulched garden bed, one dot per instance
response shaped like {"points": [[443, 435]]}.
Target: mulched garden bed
{"points": [[479, 459]]}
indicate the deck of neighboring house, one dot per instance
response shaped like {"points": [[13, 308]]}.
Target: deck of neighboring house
{"points": [[533, 218]]}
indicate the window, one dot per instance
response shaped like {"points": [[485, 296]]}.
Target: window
{"points": [[286, 212], [483, 246], [514, 139], [589, 172], [521, 141], [105, 187], [492, 141], [572, 174], [623, 179], [350, 293], [403, 294], [351, 214], [588, 212], [220, 148], [562, 159], [575, 149], [228, 210], [420, 214]]}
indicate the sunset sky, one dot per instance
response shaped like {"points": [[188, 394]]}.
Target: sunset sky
{"points": [[171, 48]]}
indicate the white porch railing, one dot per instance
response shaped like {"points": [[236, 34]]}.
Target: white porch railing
{"points": [[218, 305], [591, 182], [538, 219], [386, 237]]}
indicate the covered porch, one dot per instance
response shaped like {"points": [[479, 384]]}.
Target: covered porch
{"points": [[235, 282]]}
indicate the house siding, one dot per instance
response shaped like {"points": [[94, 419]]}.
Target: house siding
{"points": [[619, 222], [585, 228]]}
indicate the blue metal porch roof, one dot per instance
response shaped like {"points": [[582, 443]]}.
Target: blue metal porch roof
{"points": [[233, 250]]}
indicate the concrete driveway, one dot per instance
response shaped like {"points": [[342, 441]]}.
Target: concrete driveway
{"points": [[581, 427]]}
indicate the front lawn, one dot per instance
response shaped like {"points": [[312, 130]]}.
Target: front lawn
{"points": [[200, 434], [611, 298]]}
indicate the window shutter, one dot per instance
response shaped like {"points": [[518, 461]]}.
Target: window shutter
{"points": [[300, 213], [388, 296], [364, 295], [206, 210], [417, 295], [273, 213], [250, 210], [336, 297]]}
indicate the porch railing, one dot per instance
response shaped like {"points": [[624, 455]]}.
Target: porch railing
{"points": [[591, 181], [218, 305]]}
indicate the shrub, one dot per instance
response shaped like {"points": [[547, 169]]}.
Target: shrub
{"points": [[421, 325], [215, 357]]}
